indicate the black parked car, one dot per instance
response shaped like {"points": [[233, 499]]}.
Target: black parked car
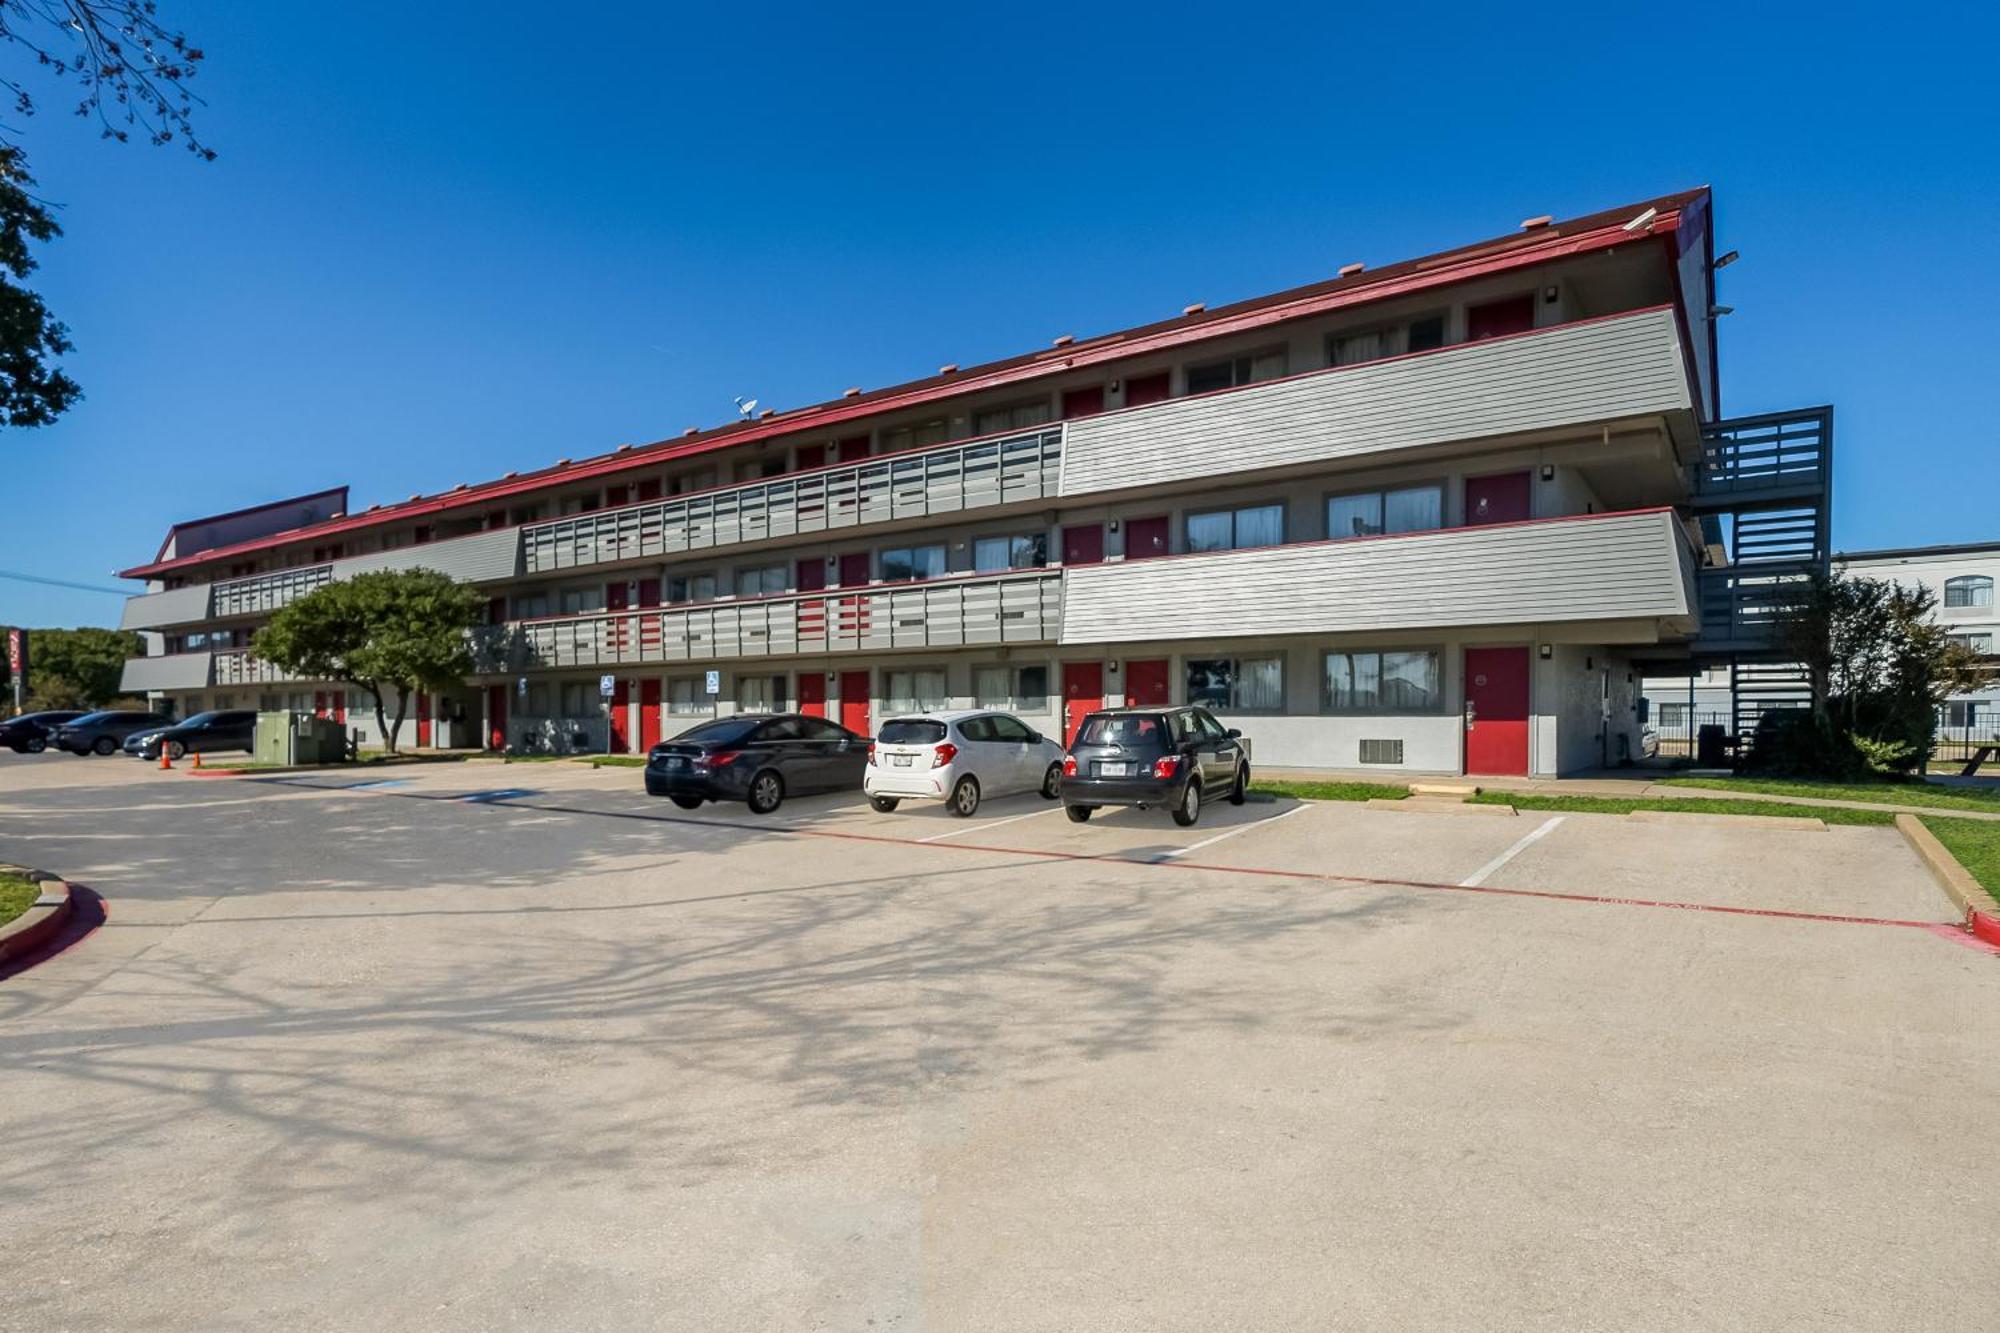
{"points": [[29, 733], [103, 733], [204, 733], [758, 758], [1175, 757]]}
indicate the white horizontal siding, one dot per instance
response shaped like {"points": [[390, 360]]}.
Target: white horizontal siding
{"points": [[176, 606], [481, 557], [1612, 567], [1598, 371], [180, 671]]}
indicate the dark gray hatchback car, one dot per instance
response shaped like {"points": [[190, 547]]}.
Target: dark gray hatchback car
{"points": [[1172, 757]]}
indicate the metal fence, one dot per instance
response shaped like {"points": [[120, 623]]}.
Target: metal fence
{"points": [[1675, 727]]}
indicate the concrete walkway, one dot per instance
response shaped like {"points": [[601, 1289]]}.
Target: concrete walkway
{"points": [[1623, 784]]}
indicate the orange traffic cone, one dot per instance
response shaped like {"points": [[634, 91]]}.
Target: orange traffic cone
{"points": [[166, 760], [197, 760]]}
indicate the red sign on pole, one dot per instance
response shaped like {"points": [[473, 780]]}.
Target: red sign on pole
{"points": [[17, 651]]}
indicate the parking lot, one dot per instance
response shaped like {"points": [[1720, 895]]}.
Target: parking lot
{"points": [[478, 1046]]}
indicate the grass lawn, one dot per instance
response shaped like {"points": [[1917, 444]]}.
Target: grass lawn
{"points": [[1693, 805], [617, 761], [17, 895], [367, 757], [1976, 844], [1929, 795], [1331, 791]]}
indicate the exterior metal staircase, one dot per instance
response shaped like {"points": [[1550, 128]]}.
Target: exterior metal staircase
{"points": [[1764, 487]]}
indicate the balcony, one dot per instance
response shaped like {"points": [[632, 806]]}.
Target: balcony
{"points": [[944, 613], [919, 484], [175, 606], [174, 671], [1624, 567], [1570, 375], [265, 593], [238, 667]]}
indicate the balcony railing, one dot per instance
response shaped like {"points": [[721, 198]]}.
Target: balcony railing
{"points": [[922, 484], [948, 613], [238, 667], [265, 593], [1788, 454]]}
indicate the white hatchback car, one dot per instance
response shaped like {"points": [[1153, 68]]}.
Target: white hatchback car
{"points": [[959, 756]]}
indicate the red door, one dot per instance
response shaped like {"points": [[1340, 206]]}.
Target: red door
{"points": [[1083, 694], [854, 569], [496, 717], [1143, 389], [1083, 545], [319, 703], [853, 449], [1516, 314], [649, 713], [1496, 710], [1496, 499], [854, 702], [1084, 402], [649, 592], [496, 610], [811, 455], [649, 489], [621, 700], [1145, 538], [617, 597], [812, 693], [615, 496], [423, 717], [811, 574], [336, 700], [1146, 684]]}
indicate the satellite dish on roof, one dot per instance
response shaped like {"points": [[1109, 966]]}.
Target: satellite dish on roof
{"points": [[747, 406]]}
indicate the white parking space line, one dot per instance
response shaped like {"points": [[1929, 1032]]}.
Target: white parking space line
{"points": [[1228, 833], [1479, 875], [991, 823]]}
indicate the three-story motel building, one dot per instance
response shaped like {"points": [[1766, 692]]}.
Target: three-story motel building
{"points": [[1436, 517]]}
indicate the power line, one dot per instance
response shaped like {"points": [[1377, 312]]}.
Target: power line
{"points": [[62, 583]]}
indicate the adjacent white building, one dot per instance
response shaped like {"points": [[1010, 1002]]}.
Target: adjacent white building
{"points": [[1962, 578]]}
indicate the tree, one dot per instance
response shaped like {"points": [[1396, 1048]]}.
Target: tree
{"points": [[404, 628], [132, 74], [1878, 666], [74, 668]]}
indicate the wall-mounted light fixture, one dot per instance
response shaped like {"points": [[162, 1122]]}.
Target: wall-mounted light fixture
{"points": [[1112, 525], [1548, 472], [1114, 666], [1547, 652], [1551, 294], [1724, 261]]}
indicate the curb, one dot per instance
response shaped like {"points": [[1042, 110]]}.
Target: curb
{"points": [[40, 923], [1763, 823], [1982, 913]]}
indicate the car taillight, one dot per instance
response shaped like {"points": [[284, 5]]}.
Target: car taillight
{"points": [[1166, 765], [719, 759], [944, 754], [871, 752], [1069, 765]]}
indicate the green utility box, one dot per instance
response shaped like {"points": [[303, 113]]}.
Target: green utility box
{"points": [[299, 738]]}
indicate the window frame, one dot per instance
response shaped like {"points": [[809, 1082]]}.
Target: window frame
{"points": [[1235, 514], [1970, 586], [882, 555], [1017, 702], [1241, 367], [893, 706], [1382, 494], [1038, 541], [1018, 405], [1440, 704], [1200, 703]]}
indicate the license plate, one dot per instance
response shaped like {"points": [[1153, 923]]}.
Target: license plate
{"points": [[1114, 770], [676, 761], [900, 760]]}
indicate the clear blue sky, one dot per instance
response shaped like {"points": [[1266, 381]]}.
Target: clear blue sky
{"points": [[437, 247]]}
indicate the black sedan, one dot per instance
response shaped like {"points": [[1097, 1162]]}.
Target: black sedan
{"points": [[204, 733], [103, 733], [756, 758], [29, 733]]}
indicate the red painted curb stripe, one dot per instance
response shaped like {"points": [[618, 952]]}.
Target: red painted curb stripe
{"points": [[1986, 926]]}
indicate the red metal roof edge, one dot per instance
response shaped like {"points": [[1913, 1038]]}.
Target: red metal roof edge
{"points": [[1518, 249]]}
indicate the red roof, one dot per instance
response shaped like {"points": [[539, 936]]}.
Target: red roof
{"points": [[1519, 249]]}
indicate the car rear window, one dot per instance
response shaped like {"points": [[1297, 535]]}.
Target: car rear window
{"points": [[724, 731], [912, 731], [1132, 730]]}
